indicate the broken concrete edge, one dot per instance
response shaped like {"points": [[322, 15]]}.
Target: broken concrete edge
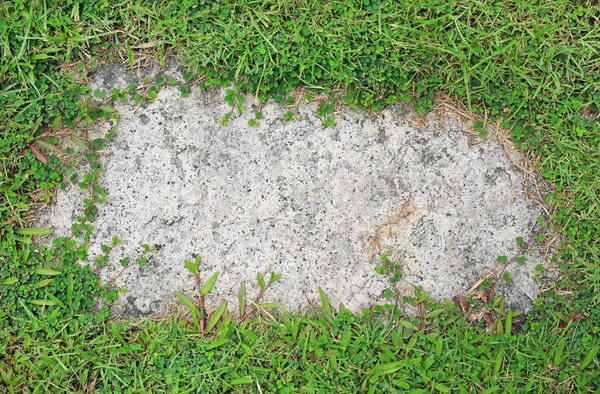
{"points": [[249, 98]]}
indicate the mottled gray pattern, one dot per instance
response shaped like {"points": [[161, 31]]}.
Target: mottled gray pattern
{"points": [[317, 205]]}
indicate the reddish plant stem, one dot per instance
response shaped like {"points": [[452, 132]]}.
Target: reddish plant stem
{"points": [[200, 302]]}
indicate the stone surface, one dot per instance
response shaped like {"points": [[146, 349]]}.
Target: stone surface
{"points": [[318, 205]]}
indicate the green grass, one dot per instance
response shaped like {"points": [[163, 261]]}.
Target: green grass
{"points": [[311, 353], [533, 65]]}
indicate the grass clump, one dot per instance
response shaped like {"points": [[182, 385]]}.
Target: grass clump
{"points": [[532, 66], [375, 352]]}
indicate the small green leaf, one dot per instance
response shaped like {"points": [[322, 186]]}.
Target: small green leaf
{"points": [[210, 283], [274, 277], [188, 76], [44, 283], [100, 93], [242, 380], [49, 147], [216, 344], [502, 259], [193, 268], [441, 388], [326, 305], [56, 300], [507, 277], [329, 122], [389, 368], [242, 300], [409, 325], [42, 302], [558, 353], [249, 335], [541, 237], [190, 305], [130, 56], [499, 359], [33, 231], [428, 362], [508, 324], [434, 313], [46, 271], [521, 260], [78, 141], [269, 305], [10, 281], [540, 220], [216, 316], [260, 280], [588, 359]]}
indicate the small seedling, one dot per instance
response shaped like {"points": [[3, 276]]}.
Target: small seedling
{"points": [[198, 309], [540, 220], [225, 119], [486, 284], [541, 237], [185, 90], [100, 94], [152, 93], [188, 76], [328, 122], [538, 271], [325, 110], [205, 323]]}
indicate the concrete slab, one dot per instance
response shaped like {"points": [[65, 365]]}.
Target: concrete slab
{"points": [[317, 205]]}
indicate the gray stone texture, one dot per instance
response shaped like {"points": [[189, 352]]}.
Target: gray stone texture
{"points": [[318, 205]]}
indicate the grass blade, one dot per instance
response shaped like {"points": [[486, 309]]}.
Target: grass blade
{"points": [[260, 280], [210, 283], [216, 315], [326, 304], [242, 300], [193, 268], [588, 359], [46, 271], [33, 231], [191, 306]]}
